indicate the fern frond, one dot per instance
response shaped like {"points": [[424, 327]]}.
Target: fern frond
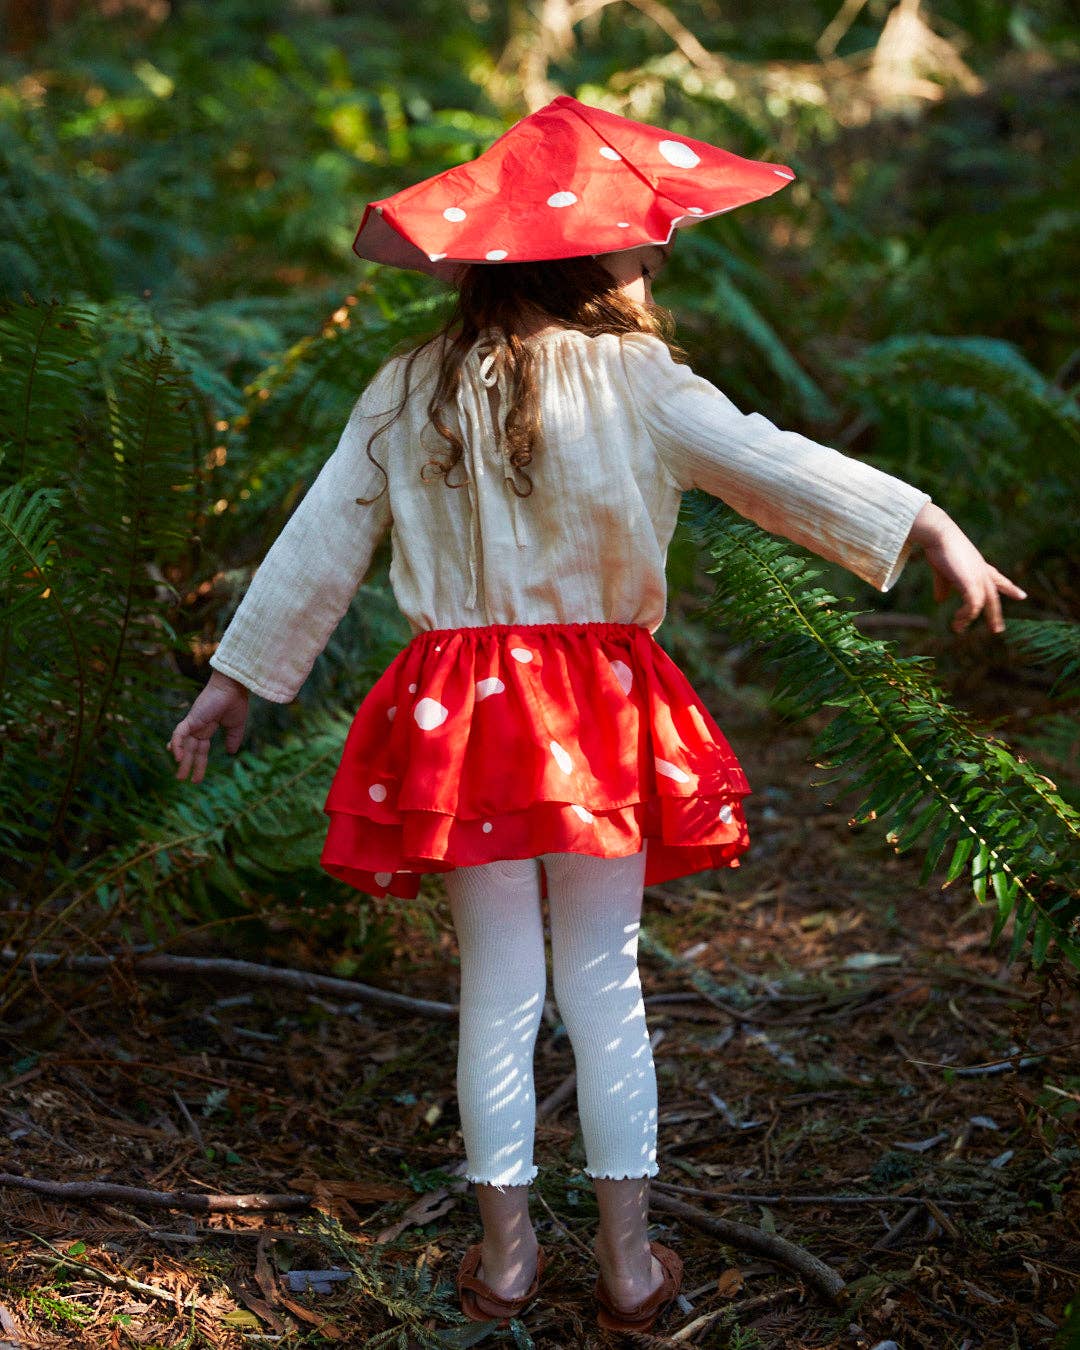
{"points": [[1053, 641], [296, 409], [977, 391], [53, 238], [895, 740], [44, 375], [197, 852], [40, 646], [96, 450], [730, 294]]}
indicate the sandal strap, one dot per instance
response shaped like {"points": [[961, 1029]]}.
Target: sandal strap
{"points": [[664, 1293], [468, 1279]]}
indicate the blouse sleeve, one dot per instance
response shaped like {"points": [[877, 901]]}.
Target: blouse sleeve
{"points": [[837, 506], [303, 586]]}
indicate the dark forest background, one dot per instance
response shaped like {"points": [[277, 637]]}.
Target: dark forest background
{"points": [[184, 328]]}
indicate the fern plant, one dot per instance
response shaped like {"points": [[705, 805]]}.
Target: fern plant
{"points": [[1054, 641], [242, 845], [915, 761], [297, 405], [106, 493], [99, 458], [953, 412], [1055, 738]]}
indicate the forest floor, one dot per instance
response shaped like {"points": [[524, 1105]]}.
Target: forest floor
{"points": [[831, 1072]]}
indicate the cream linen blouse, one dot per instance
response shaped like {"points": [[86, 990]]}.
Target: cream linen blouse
{"points": [[625, 431]]}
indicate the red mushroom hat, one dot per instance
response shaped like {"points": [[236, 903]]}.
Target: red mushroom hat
{"points": [[565, 181]]}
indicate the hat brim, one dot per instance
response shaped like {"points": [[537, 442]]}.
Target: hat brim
{"points": [[378, 241], [565, 182]]}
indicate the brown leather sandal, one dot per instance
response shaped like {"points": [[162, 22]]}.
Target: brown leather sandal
{"points": [[479, 1302], [642, 1316]]}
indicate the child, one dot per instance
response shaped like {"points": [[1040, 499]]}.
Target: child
{"points": [[529, 463]]}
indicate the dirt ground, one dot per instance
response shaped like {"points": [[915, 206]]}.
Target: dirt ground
{"points": [[833, 1051]]}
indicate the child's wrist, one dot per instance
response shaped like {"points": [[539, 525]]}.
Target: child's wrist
{"points": [[223, 681], [931, 526]]}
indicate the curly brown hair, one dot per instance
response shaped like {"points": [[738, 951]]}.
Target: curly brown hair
{"points": [[576, 293]]}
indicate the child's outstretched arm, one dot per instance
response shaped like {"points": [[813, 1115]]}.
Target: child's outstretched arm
{"points": [[841, 508], [958, 565]]}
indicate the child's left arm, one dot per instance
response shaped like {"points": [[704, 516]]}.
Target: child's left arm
{"points": [[958, 565], [838, 506]]}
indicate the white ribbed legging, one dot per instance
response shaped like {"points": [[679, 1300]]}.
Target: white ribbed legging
{"points": [[595, 908]]}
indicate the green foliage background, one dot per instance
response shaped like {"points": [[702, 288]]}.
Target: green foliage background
{"points": [[184, 328]]}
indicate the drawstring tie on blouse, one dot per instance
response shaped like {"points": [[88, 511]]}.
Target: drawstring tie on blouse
{"points": [[475, 412]]}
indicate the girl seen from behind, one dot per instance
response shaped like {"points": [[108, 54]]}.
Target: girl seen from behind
{"points": [[528, 462]]}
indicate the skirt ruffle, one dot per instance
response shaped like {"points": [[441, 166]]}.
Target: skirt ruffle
{"points": [[481, 744]]}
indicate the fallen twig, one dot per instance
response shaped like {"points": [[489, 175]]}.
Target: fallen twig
{"points": [[204, 1231], [815, 1272], [899, 1229], [193, 1202], [192, 1124], [735, 1309], [105, 1277], [305, 980], [555, 1099], [778, 1199], [1012, 1062]]}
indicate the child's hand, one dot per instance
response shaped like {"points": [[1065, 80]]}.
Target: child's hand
{"points": [[222, 703], [958, 565]]}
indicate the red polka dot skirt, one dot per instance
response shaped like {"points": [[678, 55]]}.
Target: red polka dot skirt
{"points": [[480, 744]]}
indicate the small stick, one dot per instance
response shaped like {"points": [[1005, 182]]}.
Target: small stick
{"points": [[898, 1230], [196, 1133], [589, 1256], [815, 1272], [742, 1199], [754, 1304], [205, 1231], [113, 1281], [193, 1202], [555, 1099], [304, 980]]}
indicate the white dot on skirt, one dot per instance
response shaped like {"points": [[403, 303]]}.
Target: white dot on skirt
{"points": [[429, 714], [521, 654], [487, 827], [582, 813], [384, 878], [377, 792], [485, 688], [561, 758], [696, 210], [623, 224], [495, 254], [726, 814], [453, 213], [391, 713], [412, 688], [669, 770], [562, 199], [608, 153]]}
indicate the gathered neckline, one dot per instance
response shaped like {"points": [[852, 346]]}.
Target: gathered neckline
{"points": [[545, 333], [540, 337]]}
